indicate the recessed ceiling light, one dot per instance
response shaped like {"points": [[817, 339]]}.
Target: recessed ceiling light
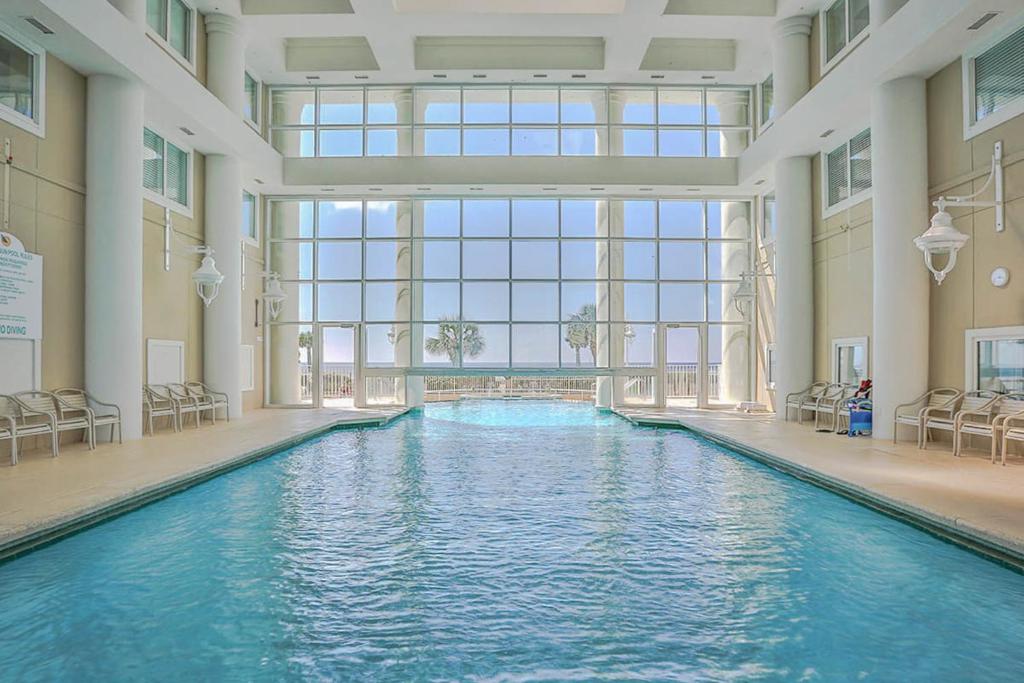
{"points": [[312, 78], [657, 76], [476, 189], [440, 75], [693, 189], [479, 75], [376, 189], [361, 77], [257, 181], [327, 189], [423, 189], [985, 18], [549, 189], [760, 182], [596, 189], [579, 75], [646, 189], [708, 78], [40, 26], [827, 133], [186, 131], [540, 75]]}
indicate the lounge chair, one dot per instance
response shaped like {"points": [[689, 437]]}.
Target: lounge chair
{"points": [[1013, 430], [19, 422], [207, 395], [805, 399], [187, 403], [987, 421], [65, 417], [933, 404], [157, 401], [829, 404], [103, 415]]}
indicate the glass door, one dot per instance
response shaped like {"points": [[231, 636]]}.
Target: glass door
{"points": [[339, 375], [686, 367]]}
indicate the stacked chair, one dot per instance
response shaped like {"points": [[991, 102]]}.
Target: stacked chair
{"points": [[179, 401], [42, 413]]}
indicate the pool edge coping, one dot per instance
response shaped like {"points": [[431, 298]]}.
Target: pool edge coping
{"points": [[1004, 551], [35, 537]]}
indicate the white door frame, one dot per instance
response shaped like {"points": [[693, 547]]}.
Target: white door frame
{"points": [[702, 361], [358, 388]]}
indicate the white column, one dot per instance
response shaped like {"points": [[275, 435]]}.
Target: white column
{"points": [[222, 322], [791, 76], [881, 10], [899, 180], [794, 281], [113, 246], [135, 10], [225, 71]]}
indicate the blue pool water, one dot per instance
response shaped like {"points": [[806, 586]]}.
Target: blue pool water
{"points": [[507, 541]]}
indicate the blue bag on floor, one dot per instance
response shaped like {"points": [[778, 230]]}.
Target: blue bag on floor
{"points": [[860, 416]]}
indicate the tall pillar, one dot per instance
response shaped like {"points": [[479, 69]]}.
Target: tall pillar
{"points": [[794, 281], [899, 181], [285, 376], [881, 10], [134, 10], [222, 321], [113, 246], [225, 50]]}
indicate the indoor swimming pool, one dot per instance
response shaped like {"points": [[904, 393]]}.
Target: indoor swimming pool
{"points": [[507, 541]]}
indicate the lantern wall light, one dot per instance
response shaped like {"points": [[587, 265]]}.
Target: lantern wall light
{"points": [[273, 294], [942, 238], [206, 277]]}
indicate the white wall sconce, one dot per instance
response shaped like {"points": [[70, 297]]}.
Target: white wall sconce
{"points": [[942, 238], [273, 294], [395, 336], [743, 297], [206, 277]]}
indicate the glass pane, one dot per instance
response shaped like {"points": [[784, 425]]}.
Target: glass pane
{"points": [[584, 301], [435, 105], [340, 219], [438, 142], [389, 106], [838, 181], [294, 143], [768, 229], [535, 141], [535, 260], [727, 143], [997, 75], [584, 218], [485, 260], [728, 220], [252, 98], [156, 16], [679, 107], [341, 106], [248, 215], [485, 105], [679, 143], [386, 260], [728, 364], [632, 105], [632, 142], [485, 301], [860, 18], [441, 344], [584, 142], [388, 345], [1001, 365], [292, 107], [534, 301], [152, 158], [440, 300], [17, 85], [440, 260], [535, 218], [292, 260], [341, 143], [387, 301], [639, 261], [682, 302], [584, 106], [638, 218], [485, 141], [682, 364], [337, 367], [485, 218], [177, 175], [439, 218], [584, 260], [180, 29], [860, 162], [387, 218], [728, 107], [484, 345], [681, 261], [388, 142], [767, 99], [639, 299], [535, 346], [719, 304], [835, 29], [298, 304], [530, 105], [680, 219], [339, 301], [291, 363], [340, 261], [289, 219], [728, 260], [638, 345], [580, 342], [851, 364]]}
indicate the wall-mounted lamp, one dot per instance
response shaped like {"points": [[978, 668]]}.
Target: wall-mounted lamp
{"points": [[743, 297], [273, 294], [395, 336], [944, 239], [206, 277]]}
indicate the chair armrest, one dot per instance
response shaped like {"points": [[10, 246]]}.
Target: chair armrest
{"points": [[68, 408], [1013, 419], [12, 425], [984, 415]]}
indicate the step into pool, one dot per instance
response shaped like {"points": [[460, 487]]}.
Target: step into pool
{"points": [[507, 541]]}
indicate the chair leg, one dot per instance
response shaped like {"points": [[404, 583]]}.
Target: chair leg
{"points": [[14, 450], [120, 434], [54, 443]]}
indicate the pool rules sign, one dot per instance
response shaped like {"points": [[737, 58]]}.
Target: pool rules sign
{"points": [[21, 290]]}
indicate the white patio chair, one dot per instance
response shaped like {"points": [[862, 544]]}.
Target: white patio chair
{"points": [[26, 422], [157, 401], [804, 400], [187, 404], [829, 404], [987, 422], [935, 403], [104, 415], [73, 420], [1013, 430], [215, 398]]}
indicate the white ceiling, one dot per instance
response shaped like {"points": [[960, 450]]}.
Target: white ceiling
{"points": [[627, 27]]}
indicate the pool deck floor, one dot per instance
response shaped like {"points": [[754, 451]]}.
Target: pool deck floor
{"points": [[43, 498], [967, 499]]}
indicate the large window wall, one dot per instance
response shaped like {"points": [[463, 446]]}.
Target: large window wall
{"points": [[518, 121], [568, 286]]}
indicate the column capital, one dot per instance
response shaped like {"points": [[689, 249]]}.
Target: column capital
{"points": [[223, 23], [799, 25]]}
